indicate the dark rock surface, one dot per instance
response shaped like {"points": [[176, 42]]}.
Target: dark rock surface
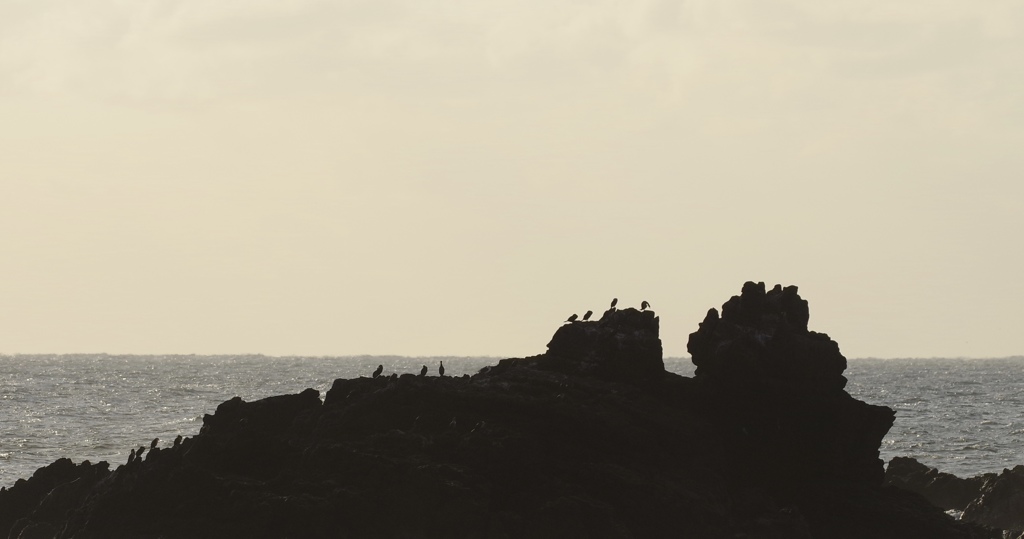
{"points": [[33, 507], [1000, 503], [623, 346], [943, 490], [775, 391], [591, 439], [991, 500], [763, 336]]}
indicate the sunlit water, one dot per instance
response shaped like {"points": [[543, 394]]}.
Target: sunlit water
{"points": [[962, 416]]}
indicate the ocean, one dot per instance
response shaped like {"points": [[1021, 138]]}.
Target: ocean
{"points": [[963, 416]]}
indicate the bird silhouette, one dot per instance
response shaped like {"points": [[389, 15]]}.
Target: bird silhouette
{"points": [[380, 369], [177, 441], [152, 445], [644, 305], [131, 457], [587, 315], [572, 318], [423, 371], [614, 301], [440, 370]]}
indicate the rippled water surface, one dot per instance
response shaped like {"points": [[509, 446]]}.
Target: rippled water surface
{"points": [[962, 416]]}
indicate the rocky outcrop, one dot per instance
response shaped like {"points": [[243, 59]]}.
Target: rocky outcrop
{"points": [[623, 346], [775, 390], [992, 500], [591, 439], [943, 490], [763, 336], [36, 507], [1000, 503]]}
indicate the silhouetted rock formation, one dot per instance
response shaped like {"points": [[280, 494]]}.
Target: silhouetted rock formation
{"points": [[591, 439], [1000, 503], [776, 391], [943, 490], [994, 500], [762, 336], [623, 345], [37, 507]]}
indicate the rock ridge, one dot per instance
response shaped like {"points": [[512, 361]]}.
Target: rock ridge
{"points": [[592, 438]]}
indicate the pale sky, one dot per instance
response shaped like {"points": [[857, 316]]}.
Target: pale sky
{"points": [[456, 178]]}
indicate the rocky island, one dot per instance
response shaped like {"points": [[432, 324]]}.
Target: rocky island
{"points": [[591, 439]]}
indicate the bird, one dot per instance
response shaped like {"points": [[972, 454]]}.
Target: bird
{"points": [[644, 305], [614, 301], [177, 441], [131, 457], [423, 371], [573, 318], [587, 315], [152, 445], [138, 454], [380, 369], [440, 370]]}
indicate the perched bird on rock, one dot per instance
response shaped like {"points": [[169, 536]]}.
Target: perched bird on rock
{"points": [[423, 371], [644, 305], [177, 441], [131, 457], [587, 315], [152, 445], [380, 369], [614, 302], [440, 370], [138, 454], [572, 318]]}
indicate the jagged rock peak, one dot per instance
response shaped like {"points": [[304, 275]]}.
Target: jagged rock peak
{"points": [[758, 308], [763, 334]]}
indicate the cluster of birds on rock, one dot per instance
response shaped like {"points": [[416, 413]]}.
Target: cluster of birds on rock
{"points": [[423, 371], [644, 305], [136, 454]]}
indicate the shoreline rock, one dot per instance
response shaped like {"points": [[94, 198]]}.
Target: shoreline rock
{"points": [[592, 438], [943, 490], [993, 500]]}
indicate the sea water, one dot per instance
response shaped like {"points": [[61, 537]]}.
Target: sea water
{"points": [[962, 416]]}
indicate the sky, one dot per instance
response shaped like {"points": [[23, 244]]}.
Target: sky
{"points": [[419, 177]]}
